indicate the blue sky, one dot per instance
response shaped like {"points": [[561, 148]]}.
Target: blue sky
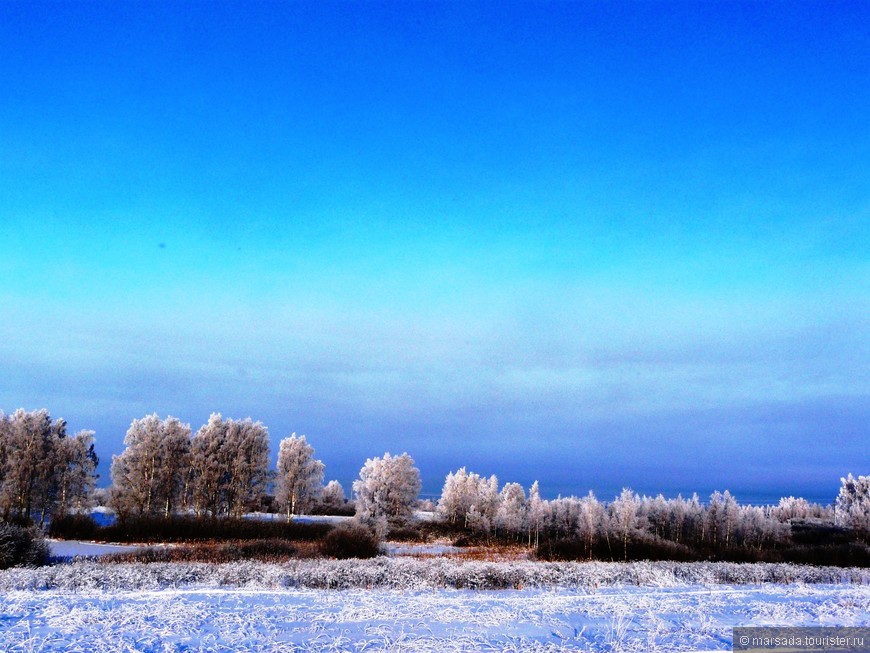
{"points": [[598, 244]]}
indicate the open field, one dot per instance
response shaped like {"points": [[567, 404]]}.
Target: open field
{"points": [[684, 618], [411, 604]]}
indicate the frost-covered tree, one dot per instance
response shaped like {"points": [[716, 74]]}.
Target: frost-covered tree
{"points": [[537, 512], [249, 466], [299, 475], [792, 508], [388, 488], [852, 509], [591, 520], [333, 495], [511, 513], [27, 462], [76, 462], [148, 477], [487, 504], [469, 500], [229, 466], [42, 471], [624, 517], [564, 515], [721, 515]]}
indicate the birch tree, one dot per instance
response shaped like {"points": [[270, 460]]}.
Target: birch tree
{"points": [[148, 477], [388, 488], [28, 462], [229, 466], [75, 473], [299, 475]]}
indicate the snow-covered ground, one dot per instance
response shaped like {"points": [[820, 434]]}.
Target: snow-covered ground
{"points": [[687, 618], [413, 604], [413, 549], [67, 549], [299, 519]]}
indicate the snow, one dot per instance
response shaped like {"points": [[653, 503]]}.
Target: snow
{"points": [[408, 549], [299, 519], [687, 618], [66, 549], [413, 604]]}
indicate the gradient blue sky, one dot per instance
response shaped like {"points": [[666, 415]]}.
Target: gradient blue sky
{"points": [[598, 244]]}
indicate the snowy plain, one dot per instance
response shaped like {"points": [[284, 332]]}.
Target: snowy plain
{"points": [[690, 618], [414, 605]]}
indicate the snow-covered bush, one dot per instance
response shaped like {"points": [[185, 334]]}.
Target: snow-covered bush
{"points": [[409, 574]]}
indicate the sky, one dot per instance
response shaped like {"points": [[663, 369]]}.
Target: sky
{"points": [[598, 244]]}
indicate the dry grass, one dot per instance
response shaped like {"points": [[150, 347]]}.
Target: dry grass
{"points": [[495, 553]]}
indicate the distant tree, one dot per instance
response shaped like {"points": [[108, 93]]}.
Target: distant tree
{"points": [[299, 475], [469, 500], [333, 495], [792, 508], [537, 511], [487, 503], [591, 520], [42, 471], [852, 509], [388, 488], [249, 465], [564, 515], [209, 467], [229, 466], [678, 510], [148, 477], [511, 512], [454, 503], [623, 514], [75, 473], [28, 479]]}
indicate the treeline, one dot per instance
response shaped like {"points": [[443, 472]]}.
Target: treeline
{"points": [[633, 526], [222, 471]]}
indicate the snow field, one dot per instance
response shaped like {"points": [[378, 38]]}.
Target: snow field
{"points": [[652, 619], [409, 574]]}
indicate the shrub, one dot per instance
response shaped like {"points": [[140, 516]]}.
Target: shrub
{"points": [[73, 527], [350, 540], [21, 547], [348, 509], [201, 529], [263, 550], [411, 532]]}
